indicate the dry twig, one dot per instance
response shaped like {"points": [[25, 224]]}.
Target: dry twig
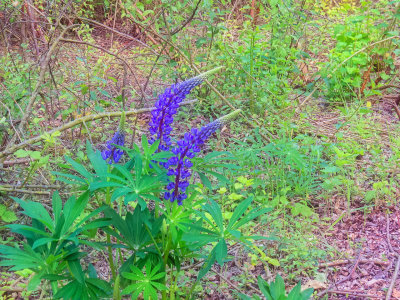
{"points": [[75, 122], [358, 294], [35, 93], [396, 271], [346, 261]]}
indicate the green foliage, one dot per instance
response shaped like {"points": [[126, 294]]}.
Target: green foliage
{"points": [[151, 240], [218, 233], [294, 166], [352, 59], [144, 282], [278, 187], [276, 290], [7, 215], [51, 248]]}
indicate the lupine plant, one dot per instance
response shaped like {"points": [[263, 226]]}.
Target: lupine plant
{"points": [[112, 153], [153, 218]]}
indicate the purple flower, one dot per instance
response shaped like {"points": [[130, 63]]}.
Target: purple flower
{"points": [[186, 149], [179, 165], [167, 106], [112, 153]]}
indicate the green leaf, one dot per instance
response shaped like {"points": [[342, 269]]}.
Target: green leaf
{"points": [[215, 212], [221, 251], [76, 270], [208, 263], [239, 211], [42, 241], [21, 153], [57, 206], [36, 211], [34, 282], [205, 180], [79, 168], [8, 216]]}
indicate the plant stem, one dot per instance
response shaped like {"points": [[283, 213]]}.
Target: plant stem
{"points": [[110, 256], [33, 167]]}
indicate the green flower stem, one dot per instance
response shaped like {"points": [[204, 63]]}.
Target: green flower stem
{"points": [[152, 238], [172, 286], [166, 254], [189, 296], [110, 256], [116, 291], [167, 248]]}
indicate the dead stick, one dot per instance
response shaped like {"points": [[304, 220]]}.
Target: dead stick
{"points": [[3, 189], [346, 261], [39, 84], [73, 123], [356, 262], [396, 109], [112, 54], [9, 163], [354, 293], [392, 283], [396, 271], [35, 186], [120, 33]]}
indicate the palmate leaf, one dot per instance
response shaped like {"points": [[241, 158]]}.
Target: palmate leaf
{"points": [[217, 232], [87, 178], [138, 186], [52, 245], [208, 263], [91, 288], [132, 230], [20, 259], [144, 282], [212, 161], [36, 211], [276, 290]]}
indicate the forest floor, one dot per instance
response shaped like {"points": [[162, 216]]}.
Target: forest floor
{"points": [[361, 241]]}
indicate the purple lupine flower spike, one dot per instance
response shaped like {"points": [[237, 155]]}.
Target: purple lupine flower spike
{"points": [[112, 153], [167, 106], [180, 164]]}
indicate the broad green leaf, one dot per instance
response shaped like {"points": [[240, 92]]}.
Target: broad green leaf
{"points": [[57, 207], [221, 251]]}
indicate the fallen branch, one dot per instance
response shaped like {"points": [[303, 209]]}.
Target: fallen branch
{"points": [[75, 122], [356, 262], [34, 186], [358, 294], [396, 271], [9, 163], [9, 190], [394, 277], [396, 109], [347, 261]]}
